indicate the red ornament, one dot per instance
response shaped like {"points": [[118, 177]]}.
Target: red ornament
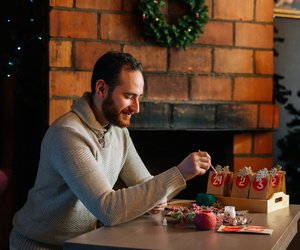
{"points": [[3, 181], [205, 220], [197, 15]]}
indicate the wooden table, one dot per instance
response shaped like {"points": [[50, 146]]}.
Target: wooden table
{"points": [[147, 232]]}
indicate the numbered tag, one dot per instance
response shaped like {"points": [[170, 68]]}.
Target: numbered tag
{"points": [[260, 185], [217, 179], [275, 180], [243, 181]]}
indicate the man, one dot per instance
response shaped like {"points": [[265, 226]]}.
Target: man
{"points": [[82, 155]]}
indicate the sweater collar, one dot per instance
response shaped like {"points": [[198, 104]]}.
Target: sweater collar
{"points": [[83, 109]]}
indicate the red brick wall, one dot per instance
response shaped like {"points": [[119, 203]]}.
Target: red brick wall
{"points": [[227, 71]]}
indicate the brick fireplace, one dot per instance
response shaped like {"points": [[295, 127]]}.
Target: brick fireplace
{"points": [[220, 88]]}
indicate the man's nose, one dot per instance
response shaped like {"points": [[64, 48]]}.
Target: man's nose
{"points": [[135, 105]]}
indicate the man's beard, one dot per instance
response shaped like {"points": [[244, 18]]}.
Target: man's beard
{"points": [[112, 115]]}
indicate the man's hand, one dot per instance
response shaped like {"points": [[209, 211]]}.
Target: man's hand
{"points": [[160, 206], [194, 164]]}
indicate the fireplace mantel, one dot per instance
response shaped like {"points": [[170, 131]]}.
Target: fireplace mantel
{"points": [[214, 116]]}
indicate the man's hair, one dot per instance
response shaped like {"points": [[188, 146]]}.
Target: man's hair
{"points": [[109, 66]]}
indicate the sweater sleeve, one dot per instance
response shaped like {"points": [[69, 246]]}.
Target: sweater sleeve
{"points": [[76, 163]]}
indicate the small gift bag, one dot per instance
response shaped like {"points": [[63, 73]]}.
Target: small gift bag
{"points": [[241, 182], [278, 179], [261, 186], [228, 181], [219, 183], [283, 183]]}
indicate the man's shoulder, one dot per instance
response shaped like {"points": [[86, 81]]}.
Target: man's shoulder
{"points": [[69, 119], [67, 122]]}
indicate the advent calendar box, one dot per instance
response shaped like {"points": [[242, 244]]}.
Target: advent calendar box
{"points": [[277, 201]]}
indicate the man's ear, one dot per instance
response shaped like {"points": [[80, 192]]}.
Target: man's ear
{"points": [[101, 88]]}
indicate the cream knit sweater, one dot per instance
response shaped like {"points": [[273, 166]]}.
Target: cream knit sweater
{"points": [[79, 164]]}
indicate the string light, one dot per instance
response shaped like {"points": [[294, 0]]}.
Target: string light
{"points": [[23, 33]]}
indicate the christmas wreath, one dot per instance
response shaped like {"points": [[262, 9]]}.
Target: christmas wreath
{"points": [[187, 29]]}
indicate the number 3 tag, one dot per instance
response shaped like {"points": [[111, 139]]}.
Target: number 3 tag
{"points": [[217, 179], [260, 185], [243, 181]]}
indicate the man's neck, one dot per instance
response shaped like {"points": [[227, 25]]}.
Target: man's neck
{"points": [[95, 106]]}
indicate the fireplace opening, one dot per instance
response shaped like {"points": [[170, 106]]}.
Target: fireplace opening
{"points": [[161, 150]]}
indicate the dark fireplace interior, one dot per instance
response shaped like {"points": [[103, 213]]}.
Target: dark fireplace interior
{"points": [[161, 150]]}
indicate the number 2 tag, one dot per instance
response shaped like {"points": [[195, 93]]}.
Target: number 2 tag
{"points": [[275, 180], [260, 185], [217, 179], [242, 181]]}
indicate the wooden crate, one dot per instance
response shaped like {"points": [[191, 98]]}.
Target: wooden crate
{"points": [[277, 201]]}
